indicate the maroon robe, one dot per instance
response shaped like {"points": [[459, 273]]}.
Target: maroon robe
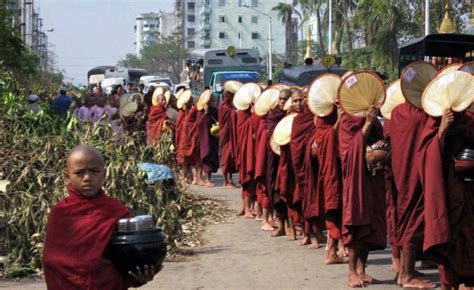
{"points": [[77, 235], [208, 144], [449, 201], [363, 195], [190, 136], [178, 137], [405, 135], [285, 183], [156, 119], [325, 191], [227, 118], [262, 149], [246, 161]]}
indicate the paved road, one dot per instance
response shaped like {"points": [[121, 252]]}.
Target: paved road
{"points": [[238, 255]]}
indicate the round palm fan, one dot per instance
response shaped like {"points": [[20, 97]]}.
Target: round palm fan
{"points": [[347, 73], [414, 79], [394, 98], [287, 105], [468, 67], [323, 94], [203, 99], [282, 132], [266, 101], [246, 95], [156, 93], [128, 109], [359, 91], [448, 68], [275, 147], [453, 91], [184, 98]]}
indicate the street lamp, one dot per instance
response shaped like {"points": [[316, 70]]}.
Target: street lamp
{"points": [[270, 75]]}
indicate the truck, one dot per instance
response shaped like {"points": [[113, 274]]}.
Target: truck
{"points": [[211, 68]]}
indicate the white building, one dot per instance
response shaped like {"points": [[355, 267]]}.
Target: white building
{"points": [[147, 30], [167, 24], [222, 23]]}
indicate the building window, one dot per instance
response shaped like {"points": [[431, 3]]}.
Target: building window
{"points": [[221, 3], [221, 35], [190, 44], [254, 3], [191, 5], [255, 19], [240, 19], [255, 35], [191, 31], [241, 3], [191, 18], [221, 19]]}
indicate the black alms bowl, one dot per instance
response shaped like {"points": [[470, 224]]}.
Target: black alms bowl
{"points": [[127, 250]]}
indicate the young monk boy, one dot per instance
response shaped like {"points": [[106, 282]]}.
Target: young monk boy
{"points": [[80, 227]]}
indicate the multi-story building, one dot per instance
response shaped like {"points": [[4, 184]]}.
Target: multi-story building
{"points": [[222, 23], [147, 29], [166, 23]]}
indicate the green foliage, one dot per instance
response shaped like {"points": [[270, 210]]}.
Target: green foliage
{"points": [[33, 150], [163, 58]]}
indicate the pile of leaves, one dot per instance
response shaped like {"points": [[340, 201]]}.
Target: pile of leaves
{"points": [[33, 150]]}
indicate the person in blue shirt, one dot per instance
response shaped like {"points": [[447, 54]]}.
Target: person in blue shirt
{"points": [[62, 102]]}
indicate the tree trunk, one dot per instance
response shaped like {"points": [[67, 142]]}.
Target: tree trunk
{"points": [[322, 50]]}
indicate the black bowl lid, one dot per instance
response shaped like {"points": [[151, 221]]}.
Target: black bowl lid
{"points": [[138, 237]]}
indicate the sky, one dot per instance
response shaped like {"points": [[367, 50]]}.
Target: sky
{"points": [[89, 33]]}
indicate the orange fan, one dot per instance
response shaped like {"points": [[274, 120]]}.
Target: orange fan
{"points": [[266, 101], [282, 132], [323, 94], [394, 98]]}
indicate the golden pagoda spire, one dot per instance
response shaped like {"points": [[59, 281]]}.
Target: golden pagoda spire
{"points": [[448, 25], [309, 45]]}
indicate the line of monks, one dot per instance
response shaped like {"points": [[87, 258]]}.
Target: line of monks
{"points": [[329, 177]]}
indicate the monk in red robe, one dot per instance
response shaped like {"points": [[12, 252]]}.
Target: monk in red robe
{"points": [[449, 203], [180, 138], [273, 160], [363, 219], [208, 144], [304, 205], [157, 119], [79, 229], [405, 137], [246, 163], [228, 138], [191, 147]]}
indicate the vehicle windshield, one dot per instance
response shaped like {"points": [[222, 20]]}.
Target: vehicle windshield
{"points": [[246, 77]]}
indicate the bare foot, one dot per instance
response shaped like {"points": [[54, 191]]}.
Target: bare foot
{"points": [[201, 183], [229, 186], [395, 266], [266, 227], [314, 244], [209, 184], [305, 241], [368, 279], [335, 260], [240, 213], [248, 215], [354, 281], [417, 283], [194, 182], [291, 236], [278, 233]]}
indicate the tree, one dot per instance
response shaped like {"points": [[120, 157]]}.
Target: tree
{"points": [[163, 58], [285, 12]]}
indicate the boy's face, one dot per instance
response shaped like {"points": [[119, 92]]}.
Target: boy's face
{"points": [[85, 173]]}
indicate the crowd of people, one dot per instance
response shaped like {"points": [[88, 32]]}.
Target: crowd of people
{"points": [[331, 177], [352, 181]]}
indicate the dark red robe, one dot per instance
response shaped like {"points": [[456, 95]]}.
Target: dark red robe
{"points": [[325, 189], [227, 118], [303, 129], [208, 144], [285, 184], [407, 122], [246, 152], [190, 138], [77, 235], [262, 149], [178, 137], [271, 120], [449, 201], [156, 119], [363, 195]]}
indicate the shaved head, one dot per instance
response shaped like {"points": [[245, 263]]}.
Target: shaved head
{"points": [[85, 170]]}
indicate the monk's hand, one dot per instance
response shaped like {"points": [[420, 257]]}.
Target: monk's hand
{"points": [[370, 115], [141, 278], [446, 121]]}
